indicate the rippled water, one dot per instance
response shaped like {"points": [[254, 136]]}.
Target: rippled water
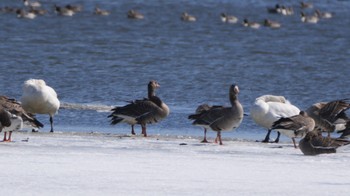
{"points": [[108, 60]]}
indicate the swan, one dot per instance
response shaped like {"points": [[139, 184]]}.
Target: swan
{"points": [[38, 98], [143, 112], [295, 126], [221, 118], [269, 108]]}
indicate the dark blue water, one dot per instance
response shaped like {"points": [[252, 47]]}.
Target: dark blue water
{"points": [[107, 60]]}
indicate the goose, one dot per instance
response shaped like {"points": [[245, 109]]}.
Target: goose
{"points": [[269, 108], [38, 98], [143, 112], [253, 25], [330, 116], [305, 5], [64, 11], [34, 4], [15, 108], [286, 11], [188, 18], [74, 8], [271, 24], [199, 111], [16, 125], [314, 144], [5, 120], [221, 118], [38, 11], [24, 14], [133, 14], [274, 10], [345, 133], [228, 18], [295, 126], [320, 14], [99, 11], [308, 19]]}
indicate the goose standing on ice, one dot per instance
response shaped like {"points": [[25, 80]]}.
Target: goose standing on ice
{"points": [[5, 121], [146, 111], [295, 126], [38, 98], [314, 143], [269, 108], [220, 118], [330, 116], [15, 108], [15, 125]]}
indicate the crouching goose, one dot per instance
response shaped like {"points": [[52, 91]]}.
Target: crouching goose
{"points": [[269, 108], [330, 116], [314, 143], [295, 126], [221, 118], [143, 112], [15, 108], [38, 98]]}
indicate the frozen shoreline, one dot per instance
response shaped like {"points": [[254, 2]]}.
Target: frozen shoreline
{"points": [[104, 164]]}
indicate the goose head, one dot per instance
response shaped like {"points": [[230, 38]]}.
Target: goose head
{"points": [[152, 86], [234, 90]]}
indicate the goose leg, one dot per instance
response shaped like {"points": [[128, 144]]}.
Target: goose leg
{"points": [[9, 139], [278, 137], [132, 130], [219, 136], [51, 122], [293, 139], [205, 136], [267, 137], [4, 140], [144, 130]]}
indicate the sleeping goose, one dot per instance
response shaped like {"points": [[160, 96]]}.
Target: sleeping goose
{"points": [[15, 108], [330, 116], [295, 126], [314, 143], [308, 19], [269, 108], [220, 118], [143, 112], [188, 18], [271, 24], [99, 11], [38, 98]]}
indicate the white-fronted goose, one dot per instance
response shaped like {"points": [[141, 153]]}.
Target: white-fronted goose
{"points": [[24, 14], [15, 108], [188, 18], [253, 25], [269, 108], [143, 112], [5, 120], [99, 11], [38, 98], [272, 24], [295, 126], [133, 14], [330, 116], [308, 19], [221, 118], [228, 18], [314, 143]]}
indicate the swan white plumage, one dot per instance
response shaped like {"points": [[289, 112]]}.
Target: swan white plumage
{"points": [[38, 98], [269, 108]]}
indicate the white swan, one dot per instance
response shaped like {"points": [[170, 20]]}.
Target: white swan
{"points": [[269, 108], [38, 98]]}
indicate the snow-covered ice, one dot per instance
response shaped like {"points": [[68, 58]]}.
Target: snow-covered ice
{"points": [[105, 164]]}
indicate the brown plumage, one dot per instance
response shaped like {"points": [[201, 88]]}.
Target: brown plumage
{"points": [[295, 126], [146, 111], [314, 143], [15, 108], [330, 116]]}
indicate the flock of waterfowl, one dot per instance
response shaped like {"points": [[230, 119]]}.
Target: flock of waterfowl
{"points": [[32, 9], [269, 111]]}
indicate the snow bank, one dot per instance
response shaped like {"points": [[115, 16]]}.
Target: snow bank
{"points": [[102, 164]]}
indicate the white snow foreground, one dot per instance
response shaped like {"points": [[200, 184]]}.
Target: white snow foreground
{"points": [[98, 164]]}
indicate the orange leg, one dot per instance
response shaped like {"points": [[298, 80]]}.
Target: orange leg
{"points": [[4, 140], [144, 132], [205, 136]]}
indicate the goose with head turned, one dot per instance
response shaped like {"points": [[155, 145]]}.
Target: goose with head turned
{"points": [[39, 98], [146, 111], [269, 108], [295, 126], [221, 118]]}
